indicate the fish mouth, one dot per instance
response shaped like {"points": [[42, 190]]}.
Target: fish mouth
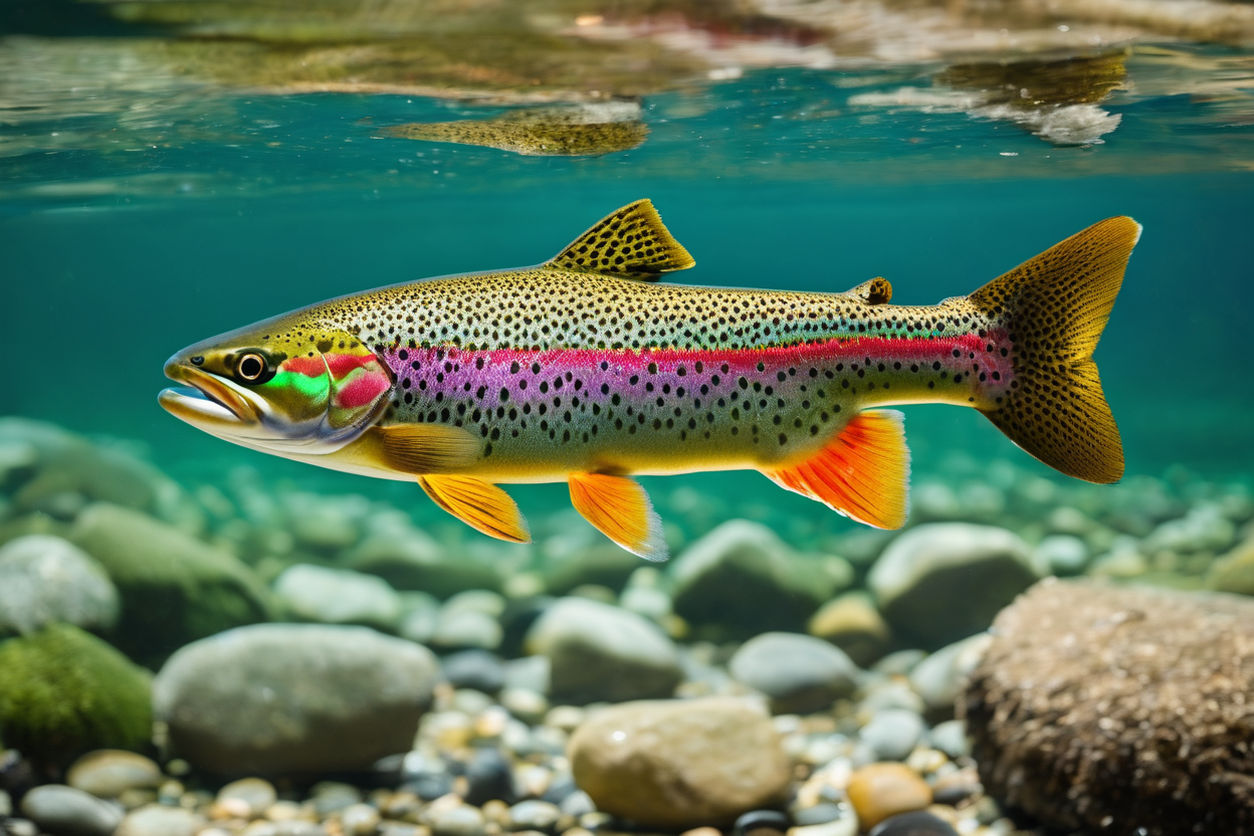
{"points": [[208, 401]]}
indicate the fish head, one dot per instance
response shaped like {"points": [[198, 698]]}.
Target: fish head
{"points": [[280, 387]]}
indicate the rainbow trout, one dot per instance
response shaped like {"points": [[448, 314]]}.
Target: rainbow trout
{"points": [[585, 369]]}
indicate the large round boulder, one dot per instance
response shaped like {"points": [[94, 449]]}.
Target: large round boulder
{"points": [[294, 699], [1119, 710]]}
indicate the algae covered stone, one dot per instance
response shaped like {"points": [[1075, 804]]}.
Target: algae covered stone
{"points": [[174, 588], [64, 692]]}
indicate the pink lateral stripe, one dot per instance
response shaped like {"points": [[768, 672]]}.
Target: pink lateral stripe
{"points": [[746, 360]]}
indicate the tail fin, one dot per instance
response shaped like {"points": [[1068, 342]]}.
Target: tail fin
{"points": [[1055, 307]]}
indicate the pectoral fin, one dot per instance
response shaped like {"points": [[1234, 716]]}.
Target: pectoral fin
{"points": [[620, 509], [863, 473], [481, 505], [425, 448]]}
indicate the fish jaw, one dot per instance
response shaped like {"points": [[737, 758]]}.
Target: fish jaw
{"points": [[208, 402]]}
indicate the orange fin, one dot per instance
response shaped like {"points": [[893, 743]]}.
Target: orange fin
{"points": [[481, 505], [620, 509], [863, 473]]}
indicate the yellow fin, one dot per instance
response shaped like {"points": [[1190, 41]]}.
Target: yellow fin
{"points": [[863, 472], [481, 505], [876, 291], [425, 448], [620, 509], [630, 243], [1055, 305]]}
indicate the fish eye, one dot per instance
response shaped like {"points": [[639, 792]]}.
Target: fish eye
{"points": [[251, 367]]}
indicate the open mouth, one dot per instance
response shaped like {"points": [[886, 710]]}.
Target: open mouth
{"points": [[207, 400]]}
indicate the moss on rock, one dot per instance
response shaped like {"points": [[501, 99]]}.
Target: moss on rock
{"points": [[64, 692]]}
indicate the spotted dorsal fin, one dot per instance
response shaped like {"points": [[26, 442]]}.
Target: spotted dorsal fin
{"points": [[631, 243], [876, 291]]}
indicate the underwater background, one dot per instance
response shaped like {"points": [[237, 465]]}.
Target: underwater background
{"points": [[172, 170]]}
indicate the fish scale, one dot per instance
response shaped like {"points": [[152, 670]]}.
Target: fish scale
{"points": [[585, 369]]}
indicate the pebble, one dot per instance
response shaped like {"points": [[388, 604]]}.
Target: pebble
{"points": [[760, 823], [951, 738], [333, 796], [939, 678], [474, 668], [359, 820], [880, 790], [159, 820], [489, 776], [854, 624], [892, 733], [60, 809], [456, 820], [108, 773], [534, 815], [246, 798], [920, 823]]}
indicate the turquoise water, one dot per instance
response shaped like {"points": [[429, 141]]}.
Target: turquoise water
{"points": [[117, 257], [121, 250]]}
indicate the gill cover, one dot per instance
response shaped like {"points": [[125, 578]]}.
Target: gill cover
{"points": [[345, 386]]}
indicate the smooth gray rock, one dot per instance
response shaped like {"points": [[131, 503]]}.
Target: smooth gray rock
{"points": [[284, 698], [741, 580], [799, 673], [44, 579], [598, 652], [940, 582], [338, 596], [892, 733], [65, 811]]}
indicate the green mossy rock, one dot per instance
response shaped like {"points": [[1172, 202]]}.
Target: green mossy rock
{"points": [[64, 692], [174, 588]]}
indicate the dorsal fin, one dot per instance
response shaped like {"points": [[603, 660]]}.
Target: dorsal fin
{"points": [[631, 243], [876, 291]]}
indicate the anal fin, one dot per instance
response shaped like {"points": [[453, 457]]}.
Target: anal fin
{"points": [[481, 505], [863, 472], [620, 509]]}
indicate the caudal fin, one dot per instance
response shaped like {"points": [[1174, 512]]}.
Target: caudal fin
{"points": [[1054, 307]]}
